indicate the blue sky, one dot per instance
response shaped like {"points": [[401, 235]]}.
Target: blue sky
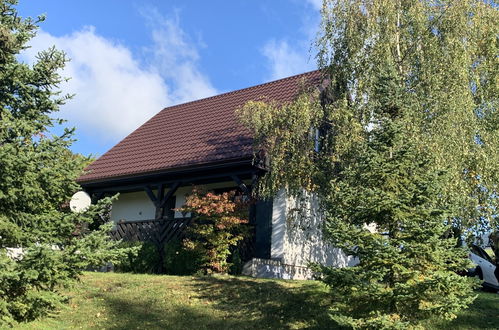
{"points": [[130, 59]]}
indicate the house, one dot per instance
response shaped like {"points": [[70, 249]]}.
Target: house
{"points": [[203, 143]]}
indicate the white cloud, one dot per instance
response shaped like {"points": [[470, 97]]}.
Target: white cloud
{"points": [[285, 60], [290, 56], [176, 57], [115, 93]]}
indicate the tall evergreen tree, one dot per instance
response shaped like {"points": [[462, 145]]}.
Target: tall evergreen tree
{"points": [[37, 178], [408, 143], [407, 269]]}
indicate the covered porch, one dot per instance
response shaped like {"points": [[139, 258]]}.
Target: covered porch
{"points": [[145, 208]]}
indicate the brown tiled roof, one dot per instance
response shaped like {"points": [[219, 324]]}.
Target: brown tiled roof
{"points": [[191, 134]]}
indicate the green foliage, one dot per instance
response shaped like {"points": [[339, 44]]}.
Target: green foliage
{"points": [[236, 261], [408, 269], [181, 261], [30, 282], [179, 258], [408, 144], [37, 178], [217, 225], [142, 257], [286, 132], [443, 58], [145, 258]]}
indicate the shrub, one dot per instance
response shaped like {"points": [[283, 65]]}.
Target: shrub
{"points": [[209, 246], [218, 224], [143, 258], [179, 260]]}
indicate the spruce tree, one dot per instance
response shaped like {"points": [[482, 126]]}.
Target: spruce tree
{"points": [[37, 179], [407, 270]]}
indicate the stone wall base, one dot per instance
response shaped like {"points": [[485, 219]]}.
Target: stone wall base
{"points": [[273, 268]]}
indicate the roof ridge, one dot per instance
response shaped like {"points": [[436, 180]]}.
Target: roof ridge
{"points": [[241, 89]]}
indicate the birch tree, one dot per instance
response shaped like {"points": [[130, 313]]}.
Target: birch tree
{"points": [[408, 141]]}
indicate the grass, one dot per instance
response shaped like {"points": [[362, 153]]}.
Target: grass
{"points": [[483, 314], [126, 301]]}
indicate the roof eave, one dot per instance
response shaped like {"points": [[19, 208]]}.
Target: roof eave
{"points": [[170, 172]]}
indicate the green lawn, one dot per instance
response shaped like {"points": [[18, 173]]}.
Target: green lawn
{"points": [[126, 301]]}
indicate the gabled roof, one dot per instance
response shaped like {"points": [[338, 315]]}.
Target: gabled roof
{"points": [[192, 134]]}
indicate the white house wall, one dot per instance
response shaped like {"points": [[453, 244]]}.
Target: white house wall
{"points": [[279, 210], [133, 206], [180, 197], [297, 238], [138, 206]]}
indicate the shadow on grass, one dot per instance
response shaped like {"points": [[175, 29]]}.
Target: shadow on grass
{"points": [[128, 314], [227, 303], [269, 304]]}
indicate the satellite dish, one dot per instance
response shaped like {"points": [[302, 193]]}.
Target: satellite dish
{"points": [[80, 201], [371, 227]]}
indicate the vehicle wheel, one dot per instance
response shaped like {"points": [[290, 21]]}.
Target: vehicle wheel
{"points": [[479, 273], [485, 287], [470, 272]]}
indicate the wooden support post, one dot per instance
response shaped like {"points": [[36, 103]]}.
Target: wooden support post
{"points": [[240, 183], [169, 194], [151, 194], [159, 198], [156, 199], [168, 201], [252, 210]]}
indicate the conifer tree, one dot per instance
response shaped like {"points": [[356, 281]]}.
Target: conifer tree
{"points": [[407, 270], [37, 179]]}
